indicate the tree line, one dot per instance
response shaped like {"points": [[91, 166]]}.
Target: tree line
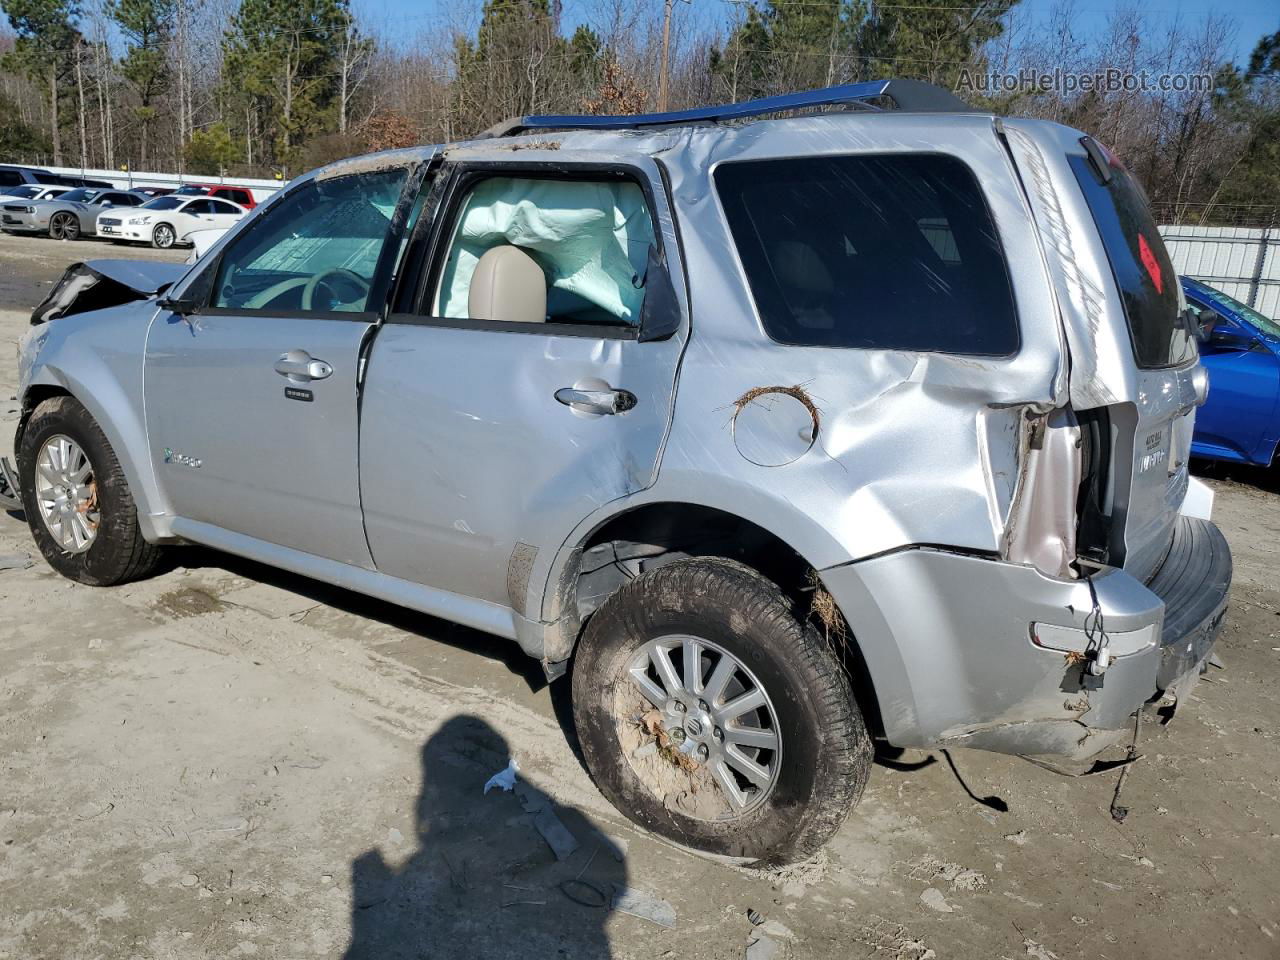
{"points": [[274, 87]]}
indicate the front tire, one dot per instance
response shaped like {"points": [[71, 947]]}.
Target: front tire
{"points": [[163, 236], [64, 226], [77, 501], [757, 749]]}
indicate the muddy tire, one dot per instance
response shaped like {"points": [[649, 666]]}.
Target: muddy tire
{"points": [[77, 501], [770, 784]]}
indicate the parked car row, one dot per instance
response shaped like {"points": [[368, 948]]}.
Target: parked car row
{"points": [[162, 218]]}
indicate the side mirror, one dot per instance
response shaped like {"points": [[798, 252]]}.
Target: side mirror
{"points": [[183, 308], [1230, 340], [1203, 323]]}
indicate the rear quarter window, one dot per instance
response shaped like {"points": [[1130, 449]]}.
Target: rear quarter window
{"points": [[1143, 273], [890, 251]]}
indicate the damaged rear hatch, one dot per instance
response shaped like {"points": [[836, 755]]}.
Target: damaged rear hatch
{"points": [[1157, 425], [96, 284]]}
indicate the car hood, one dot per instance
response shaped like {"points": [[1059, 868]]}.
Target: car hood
{"points": [[96, 284]]}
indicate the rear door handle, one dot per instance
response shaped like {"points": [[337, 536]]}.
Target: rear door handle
{"points": [[300, 365], [596, 400]]}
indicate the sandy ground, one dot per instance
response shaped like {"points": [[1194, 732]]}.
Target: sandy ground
{"points": [[226, 760]]}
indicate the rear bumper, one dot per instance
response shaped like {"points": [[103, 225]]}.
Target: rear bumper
{"points": [[966, 651], [1193, 582]]}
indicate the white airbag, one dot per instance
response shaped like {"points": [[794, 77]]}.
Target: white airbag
{"points": [[591, 239]]}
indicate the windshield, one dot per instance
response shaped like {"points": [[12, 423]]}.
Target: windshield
{"points": [[162, 203], [80, 196], [1143, 273], [1246, 313], [25, 192], [191, 191]]}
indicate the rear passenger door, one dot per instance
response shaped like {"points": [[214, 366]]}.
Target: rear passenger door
{"points": [[493, 422]]}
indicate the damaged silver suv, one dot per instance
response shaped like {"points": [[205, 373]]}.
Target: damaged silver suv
{"points": [[785, 426]]}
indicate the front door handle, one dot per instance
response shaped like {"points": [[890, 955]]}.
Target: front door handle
{"points": [[597, 400], [300, 365]]}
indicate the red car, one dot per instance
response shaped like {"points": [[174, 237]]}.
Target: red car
{"points": [[240, 195]]}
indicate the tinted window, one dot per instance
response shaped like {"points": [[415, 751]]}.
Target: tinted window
{"points": [[1140, 264], [217, 206], [10, 178], [316, 249], [237, 196], [198, 206], [191, 191], [890, 252]]}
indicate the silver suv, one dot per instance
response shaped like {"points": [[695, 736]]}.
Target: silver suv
{"points": [[783, 433]]}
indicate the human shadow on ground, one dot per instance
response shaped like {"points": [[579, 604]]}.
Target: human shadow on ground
{"points": [[484, 880]]}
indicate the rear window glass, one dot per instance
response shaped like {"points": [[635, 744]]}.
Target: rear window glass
{"points": [[1140, 264], [889, 252]]}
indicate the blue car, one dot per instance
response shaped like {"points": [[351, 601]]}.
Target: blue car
{"points": [[1240, 347]]}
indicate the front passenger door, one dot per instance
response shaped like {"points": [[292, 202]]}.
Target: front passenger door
{"points": [[251, 399]]}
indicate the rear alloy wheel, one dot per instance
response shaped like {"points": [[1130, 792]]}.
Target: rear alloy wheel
{"points": [[163, 236], [709, 714], [64, 226]]}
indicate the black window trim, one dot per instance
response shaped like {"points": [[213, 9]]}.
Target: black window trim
{"points": [[876, 154], [433, 232]]}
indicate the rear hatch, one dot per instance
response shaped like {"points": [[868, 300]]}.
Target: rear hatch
{"points": [[1151, 433]]}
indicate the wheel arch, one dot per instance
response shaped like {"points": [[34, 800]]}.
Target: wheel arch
{"points": [[121, 423], [636, 536]]}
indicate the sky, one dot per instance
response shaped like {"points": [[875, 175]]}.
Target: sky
{"points": [[406, 18]]}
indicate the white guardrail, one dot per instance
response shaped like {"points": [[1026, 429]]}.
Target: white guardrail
{"points": [[130, 179], [1242, 262]]}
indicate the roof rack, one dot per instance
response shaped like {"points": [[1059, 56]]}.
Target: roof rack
{"points": [[913, 95]]}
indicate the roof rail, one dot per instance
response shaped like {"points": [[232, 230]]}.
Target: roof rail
{"points": [[913, 95]]}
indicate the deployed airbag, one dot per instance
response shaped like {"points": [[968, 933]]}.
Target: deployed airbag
{"points": [[591, 239], [105, 283]]}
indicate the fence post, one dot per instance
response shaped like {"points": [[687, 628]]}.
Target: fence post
{"points": [[1256, 280]]}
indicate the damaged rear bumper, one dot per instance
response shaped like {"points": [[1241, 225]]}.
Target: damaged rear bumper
{"points": [[968, 651]]}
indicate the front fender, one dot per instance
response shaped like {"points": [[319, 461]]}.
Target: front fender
{"points": [[98, 359]]}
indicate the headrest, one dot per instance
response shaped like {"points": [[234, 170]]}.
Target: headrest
{"points": [[507, 285]]}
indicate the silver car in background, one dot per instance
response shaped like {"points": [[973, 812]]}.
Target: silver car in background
{"points": [[781, 435], [68, 217]]}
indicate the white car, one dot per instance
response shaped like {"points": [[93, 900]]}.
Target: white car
{"points": [[31, 192], [169, 220]]}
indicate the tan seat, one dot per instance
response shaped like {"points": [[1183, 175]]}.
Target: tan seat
{"points": [[509, 286]]}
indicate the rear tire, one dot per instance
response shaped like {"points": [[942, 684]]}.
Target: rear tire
{"points": [[115, 552], [823, 756]]}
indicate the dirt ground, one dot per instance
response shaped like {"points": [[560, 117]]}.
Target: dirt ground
{"points": [[226, 760]]}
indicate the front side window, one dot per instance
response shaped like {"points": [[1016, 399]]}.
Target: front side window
{"points": [[586, 242], [315, 250], [895, 252], [1140, 263]]}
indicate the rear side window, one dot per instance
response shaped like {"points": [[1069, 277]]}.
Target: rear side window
{"points": [[895, 252], [1140, 264]]}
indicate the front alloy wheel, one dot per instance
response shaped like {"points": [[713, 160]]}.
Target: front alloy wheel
{"points": [[163, 236], [64, 226], [67, 494]]}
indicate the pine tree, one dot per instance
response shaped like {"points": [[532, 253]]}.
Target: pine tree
{"points": [[44, 49]]}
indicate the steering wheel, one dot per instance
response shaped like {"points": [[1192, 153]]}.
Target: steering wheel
{"points": [[320, 279]]}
